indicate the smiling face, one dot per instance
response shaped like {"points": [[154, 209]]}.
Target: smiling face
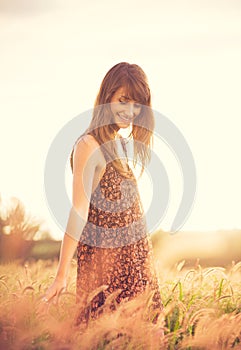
{"points": [[124, 109]]}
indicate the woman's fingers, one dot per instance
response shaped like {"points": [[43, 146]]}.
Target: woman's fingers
{"points": [[56, 296], [50, 293], [53, 294]]}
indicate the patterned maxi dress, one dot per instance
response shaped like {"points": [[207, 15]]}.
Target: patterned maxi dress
{"points": [[115, 249]]}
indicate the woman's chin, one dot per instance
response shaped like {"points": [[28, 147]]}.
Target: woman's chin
{"points": [[122, 124]]}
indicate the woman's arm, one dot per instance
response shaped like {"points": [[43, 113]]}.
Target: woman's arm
{"points": [[85, 161]]}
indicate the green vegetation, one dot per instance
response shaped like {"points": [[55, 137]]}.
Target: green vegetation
{"points": [[202, 311], [202, 305]]}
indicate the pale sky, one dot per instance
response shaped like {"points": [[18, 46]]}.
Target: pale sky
{"points": [[54, 55]]}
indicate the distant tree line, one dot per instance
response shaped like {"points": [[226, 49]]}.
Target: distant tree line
{"points": [[18, 232]]}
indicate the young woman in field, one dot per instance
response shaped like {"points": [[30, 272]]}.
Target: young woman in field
{"points": [[107, 222]]}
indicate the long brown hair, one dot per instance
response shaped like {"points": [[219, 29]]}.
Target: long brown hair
{"points": [[102, 126]]}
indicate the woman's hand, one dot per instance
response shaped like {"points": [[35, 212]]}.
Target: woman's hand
{"points": [[53, 292]]}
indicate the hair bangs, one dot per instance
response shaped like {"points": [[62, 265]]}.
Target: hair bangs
{"points": [[135, 90]]}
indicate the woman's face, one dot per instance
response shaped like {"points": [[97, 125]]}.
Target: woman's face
{"points": [[124, 110]]}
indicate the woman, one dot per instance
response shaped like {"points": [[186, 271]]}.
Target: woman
{"points": [[107, 223]]}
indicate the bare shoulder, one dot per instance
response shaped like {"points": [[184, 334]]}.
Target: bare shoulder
{"points": [[87, 146], [87, 142], [88, 138]]}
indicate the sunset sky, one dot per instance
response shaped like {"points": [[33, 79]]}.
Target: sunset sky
{"points": [[54, 55]]}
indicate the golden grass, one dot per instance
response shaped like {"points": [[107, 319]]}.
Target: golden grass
{"points": [[202, 311]]}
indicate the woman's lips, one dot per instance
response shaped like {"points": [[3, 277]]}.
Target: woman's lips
{"points": [[124, 118]]}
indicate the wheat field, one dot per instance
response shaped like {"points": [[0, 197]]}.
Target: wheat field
{"points": [[202, 311]]}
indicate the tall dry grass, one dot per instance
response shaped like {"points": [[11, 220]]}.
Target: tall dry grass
{"points": [[202, 311]]}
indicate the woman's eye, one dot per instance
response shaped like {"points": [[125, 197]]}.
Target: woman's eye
{"points": [[136, 105]]}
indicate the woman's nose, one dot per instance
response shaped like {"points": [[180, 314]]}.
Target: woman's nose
{"points": [[130, 110]]}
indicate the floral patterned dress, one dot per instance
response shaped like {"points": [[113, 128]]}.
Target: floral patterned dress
{"points": [[115, 249]]}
